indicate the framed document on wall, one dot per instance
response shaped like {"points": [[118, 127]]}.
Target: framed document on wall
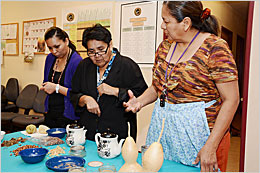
{"points": [[33, 35], [10, 39], [138, 31]]}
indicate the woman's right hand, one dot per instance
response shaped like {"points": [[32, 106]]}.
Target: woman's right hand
{"points": [[48, 87], [92, 105], [133, 104]]}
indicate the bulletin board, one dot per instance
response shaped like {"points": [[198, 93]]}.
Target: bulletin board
{"points": [[33, 35], [10, 39]]}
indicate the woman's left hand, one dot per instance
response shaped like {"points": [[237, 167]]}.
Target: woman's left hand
{"points": [[208, 159], [107, 89], [48, 87]]}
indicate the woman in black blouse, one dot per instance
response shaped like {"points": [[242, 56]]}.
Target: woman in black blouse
{"points": [[100, 85]]}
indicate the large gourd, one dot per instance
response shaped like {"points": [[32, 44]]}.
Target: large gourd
{"points": [[130, 154], [153, 157]]}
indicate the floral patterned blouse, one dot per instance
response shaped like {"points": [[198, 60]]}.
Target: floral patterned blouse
{"points": [[195, 80]]}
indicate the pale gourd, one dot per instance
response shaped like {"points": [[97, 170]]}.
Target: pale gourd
{"points": [[30, 129], [43, 129], [130, 154], [153, 157]]}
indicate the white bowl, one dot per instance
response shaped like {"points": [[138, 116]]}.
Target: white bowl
{"points": [[2, 134]]}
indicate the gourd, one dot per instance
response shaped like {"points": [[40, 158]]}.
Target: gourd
{"points": [[130, 154], [153, 157], [30, 129], [43, 129]]}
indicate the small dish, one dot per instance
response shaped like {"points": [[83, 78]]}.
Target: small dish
{"points": [[2, 134], [107, 168], [77, 150], [57, 132], [33, 155], [36, 134], [63, 163], [95, 164], [77, 169]]}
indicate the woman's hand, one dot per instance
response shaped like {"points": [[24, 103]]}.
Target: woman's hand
{"points": [[230, 99], [133, 104], [208, 159], [107, 89], [91, 104], [48, 87]]}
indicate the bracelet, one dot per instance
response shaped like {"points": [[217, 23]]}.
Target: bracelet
{"points": [[57, 88]]}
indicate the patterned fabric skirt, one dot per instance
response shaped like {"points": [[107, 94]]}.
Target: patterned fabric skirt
{"points": [[185, 130]]}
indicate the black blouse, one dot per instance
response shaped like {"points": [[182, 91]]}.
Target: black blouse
{"points": [[125, 74], [56, 100]]}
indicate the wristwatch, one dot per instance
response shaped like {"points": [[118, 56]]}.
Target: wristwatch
{"points": [[57, 88]]}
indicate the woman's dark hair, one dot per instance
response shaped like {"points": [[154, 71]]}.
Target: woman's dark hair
{"points": [[193, 9], [97, 32], [59, 33]]}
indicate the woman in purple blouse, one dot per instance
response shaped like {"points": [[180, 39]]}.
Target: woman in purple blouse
{"points": [[60, 66]]}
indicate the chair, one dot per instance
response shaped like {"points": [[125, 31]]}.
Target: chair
{"points": [[38, 107], [10, 94], [3, 98], [2, 89], [25, 101]]}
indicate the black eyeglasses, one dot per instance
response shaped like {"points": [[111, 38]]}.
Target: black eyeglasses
{"points": [[91, 54]]}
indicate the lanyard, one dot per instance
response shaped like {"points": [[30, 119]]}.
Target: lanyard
{"points": [[164, 92], [109, 66], [166, 76]]}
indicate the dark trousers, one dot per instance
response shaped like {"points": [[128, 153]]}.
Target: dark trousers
{"points": [[57, 120]]}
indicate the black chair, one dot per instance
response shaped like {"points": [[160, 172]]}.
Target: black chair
{"points": [[2, 89], [10, 95], [25, 101], [38, 107], [3, 98]]}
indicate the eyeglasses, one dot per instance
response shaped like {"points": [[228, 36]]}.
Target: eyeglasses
{"points": [[91, 54]]}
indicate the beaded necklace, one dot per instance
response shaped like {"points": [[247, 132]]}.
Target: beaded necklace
{"points": [[56, 67]]}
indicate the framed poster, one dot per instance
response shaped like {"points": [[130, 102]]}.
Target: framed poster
{"points": [[75, 20], [138, 31], [10, 39], [33, 35]]}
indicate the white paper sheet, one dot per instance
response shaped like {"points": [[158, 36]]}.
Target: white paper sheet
{"points": [[10, 48], [138, 31]]}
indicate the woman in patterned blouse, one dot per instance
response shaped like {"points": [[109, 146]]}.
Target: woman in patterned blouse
{"points": [[195, 86]]}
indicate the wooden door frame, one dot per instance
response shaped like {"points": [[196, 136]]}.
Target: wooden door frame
{"points": [[245, 84]]}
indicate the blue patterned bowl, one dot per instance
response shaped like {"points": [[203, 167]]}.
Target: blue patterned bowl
{"points": [[33, 155]]}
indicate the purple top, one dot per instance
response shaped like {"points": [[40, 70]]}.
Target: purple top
{"points": [[71, 68]]}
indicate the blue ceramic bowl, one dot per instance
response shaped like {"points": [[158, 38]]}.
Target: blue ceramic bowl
{"points": [[33, 155], [57, 132]]}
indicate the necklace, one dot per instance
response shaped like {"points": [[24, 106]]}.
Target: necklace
{"points": [[56, 67], [100, 81], [165, 87]]}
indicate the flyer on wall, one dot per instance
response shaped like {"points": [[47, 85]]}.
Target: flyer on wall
{"points": [[138, 31]]}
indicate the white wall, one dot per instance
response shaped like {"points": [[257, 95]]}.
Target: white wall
{"points": [[252, 160]]}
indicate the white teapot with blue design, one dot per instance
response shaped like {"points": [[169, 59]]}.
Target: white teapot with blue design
{"points": [[107, 144]]}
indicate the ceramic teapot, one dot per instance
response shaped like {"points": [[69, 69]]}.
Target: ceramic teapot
{"points": [[107, 144], [75, 135]]}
